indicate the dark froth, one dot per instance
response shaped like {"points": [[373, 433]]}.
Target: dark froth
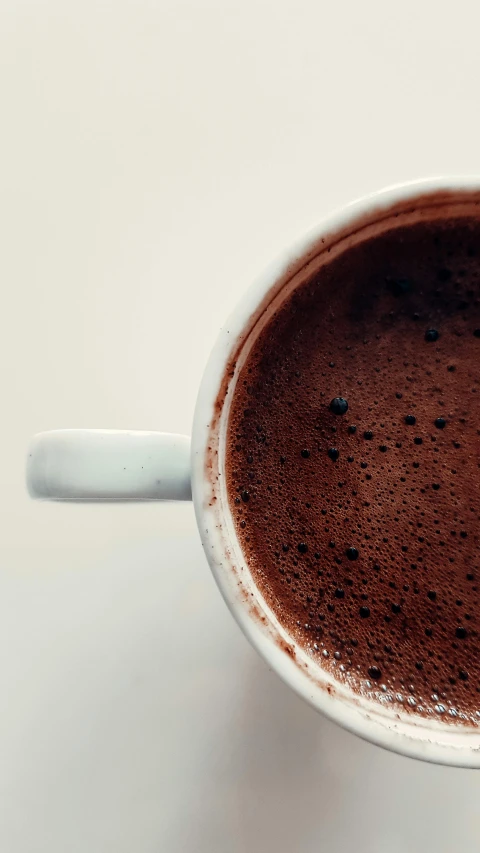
{"points": [[353, 466]]}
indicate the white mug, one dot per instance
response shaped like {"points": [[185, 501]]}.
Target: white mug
{"points": [[114, 465]]}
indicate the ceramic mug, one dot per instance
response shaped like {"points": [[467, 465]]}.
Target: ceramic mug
{"points": [[114, 465]]}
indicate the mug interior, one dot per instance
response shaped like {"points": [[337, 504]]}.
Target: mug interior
{"points": [[386, 724]]}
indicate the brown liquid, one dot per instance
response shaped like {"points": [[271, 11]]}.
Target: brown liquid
{"points": [[362, 529]]}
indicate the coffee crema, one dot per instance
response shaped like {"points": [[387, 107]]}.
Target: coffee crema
{"points": [[352, 463]]}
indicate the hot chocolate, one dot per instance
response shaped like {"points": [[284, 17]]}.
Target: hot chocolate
{"points": [[352, 462]]}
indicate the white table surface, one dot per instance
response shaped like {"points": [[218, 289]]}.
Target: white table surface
{"points": [[154, 156]]}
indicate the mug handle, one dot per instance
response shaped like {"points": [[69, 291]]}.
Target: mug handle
{"points": [[109, 465]]}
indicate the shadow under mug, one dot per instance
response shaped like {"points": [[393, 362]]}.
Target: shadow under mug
{"points": [[110, 465]]}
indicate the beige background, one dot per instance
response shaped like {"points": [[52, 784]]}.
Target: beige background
{"points": [[155, 155]]}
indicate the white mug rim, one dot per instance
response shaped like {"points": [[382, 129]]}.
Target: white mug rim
{"points": [[411, 735]]}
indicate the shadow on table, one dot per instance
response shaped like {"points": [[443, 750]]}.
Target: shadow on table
{"points": [[293, 781]]}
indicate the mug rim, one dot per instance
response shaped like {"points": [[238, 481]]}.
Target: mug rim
{"points": [[410, 734]]}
